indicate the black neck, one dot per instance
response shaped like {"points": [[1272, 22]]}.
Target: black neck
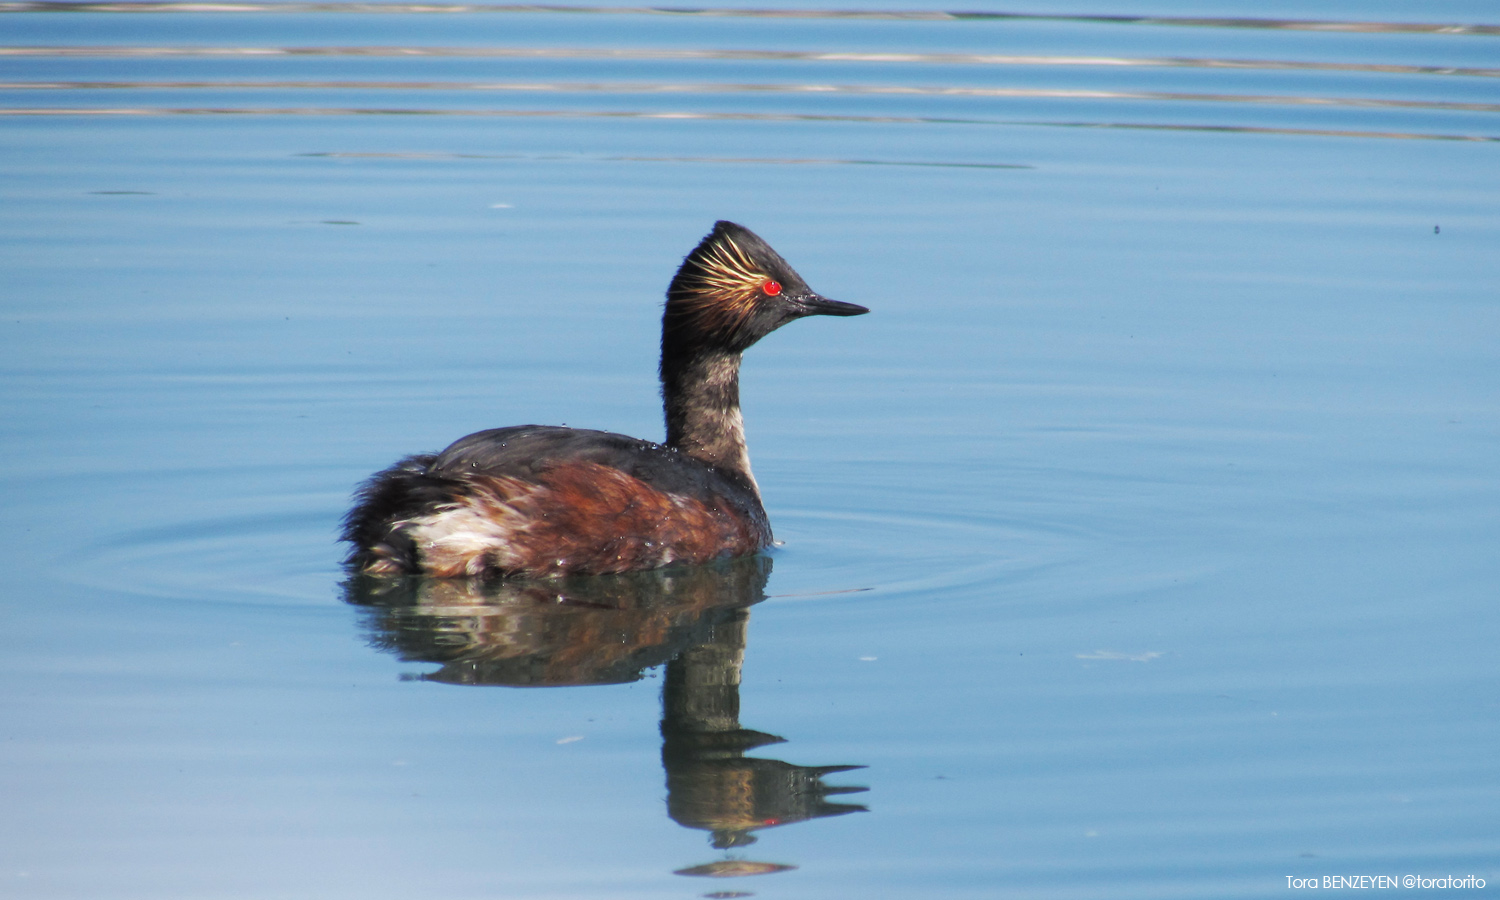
{"points": [[701, 396]]}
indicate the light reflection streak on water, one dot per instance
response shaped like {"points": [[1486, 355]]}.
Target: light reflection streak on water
{"points": [[670, 88], [721, 160], [630, 53], [720, 116], [729, 12], [1058, 118]]}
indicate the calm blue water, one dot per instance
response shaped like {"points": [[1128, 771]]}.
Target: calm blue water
{"points": [[1141, 543]]}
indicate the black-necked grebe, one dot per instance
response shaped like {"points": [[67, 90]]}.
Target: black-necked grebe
{"points": [[539, 500]]}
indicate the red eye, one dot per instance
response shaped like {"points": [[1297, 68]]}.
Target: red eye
{"points": [[771, 288]]}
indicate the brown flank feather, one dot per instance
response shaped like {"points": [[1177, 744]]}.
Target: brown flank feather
{"points": [[587, 518]]}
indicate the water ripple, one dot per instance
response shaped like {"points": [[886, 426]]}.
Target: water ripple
{"points": [[634, 53], [732, 88], [918, 15], [724, 116], [726, 160]]}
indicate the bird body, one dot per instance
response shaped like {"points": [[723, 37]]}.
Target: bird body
{"points": [[538, 500]]}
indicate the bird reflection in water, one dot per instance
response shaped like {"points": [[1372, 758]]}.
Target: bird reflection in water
{"points": [[591, 630]]}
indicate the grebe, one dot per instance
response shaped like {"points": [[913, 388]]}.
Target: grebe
{"points": [[541, 500]]}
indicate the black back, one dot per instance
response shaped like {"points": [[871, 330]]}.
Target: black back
{"points": [[523, 451]]}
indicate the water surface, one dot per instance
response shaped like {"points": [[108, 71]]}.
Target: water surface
{"points": [[1140, 543]]}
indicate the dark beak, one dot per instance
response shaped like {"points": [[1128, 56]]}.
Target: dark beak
{"points": [[811, 304]]}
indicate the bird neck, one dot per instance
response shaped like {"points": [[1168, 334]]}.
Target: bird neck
{"points": [[701, 396]]}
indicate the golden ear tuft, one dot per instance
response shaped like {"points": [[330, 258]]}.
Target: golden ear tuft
{"points": [[727, 271]]}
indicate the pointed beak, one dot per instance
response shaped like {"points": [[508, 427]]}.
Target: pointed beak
{"points": [[811, 304]]}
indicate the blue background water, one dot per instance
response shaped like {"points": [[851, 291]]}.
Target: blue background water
{"points": [[1142, 542]]}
